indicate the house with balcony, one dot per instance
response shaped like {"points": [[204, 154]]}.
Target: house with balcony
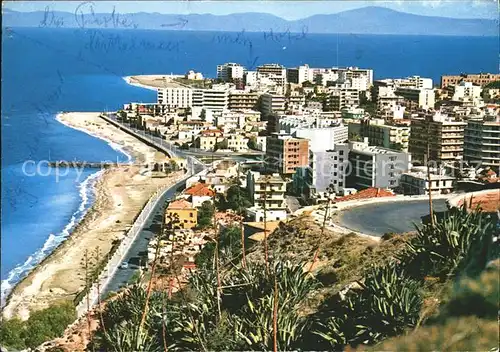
{"points": [[267, 193]]}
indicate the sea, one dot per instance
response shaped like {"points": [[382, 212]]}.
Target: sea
{"points": [[49, 70]]}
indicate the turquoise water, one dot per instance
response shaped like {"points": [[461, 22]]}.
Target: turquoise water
{"points": [[45, 71]]}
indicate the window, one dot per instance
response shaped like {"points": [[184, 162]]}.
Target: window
{"points": [[392, 182], [334, 174], [334, 158], [341, 183], [190, 215], [341, 152]]}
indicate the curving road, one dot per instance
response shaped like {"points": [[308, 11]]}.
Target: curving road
{"points": [[398, 217]]}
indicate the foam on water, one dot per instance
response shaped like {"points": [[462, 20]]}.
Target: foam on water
{"points": [[86, 192], [115, 146]]}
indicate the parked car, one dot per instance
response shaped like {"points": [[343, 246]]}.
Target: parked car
{"points": [[124, 265]]}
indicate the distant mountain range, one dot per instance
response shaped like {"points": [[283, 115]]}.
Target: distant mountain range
{"points": [[367, 20]]}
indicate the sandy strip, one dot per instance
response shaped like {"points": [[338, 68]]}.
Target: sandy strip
{"points": [[120, 195], [153, 81], [133, 81]]}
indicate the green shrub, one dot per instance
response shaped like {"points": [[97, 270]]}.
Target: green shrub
{"points": [[11, 334], [42, 326], [49, 323]]}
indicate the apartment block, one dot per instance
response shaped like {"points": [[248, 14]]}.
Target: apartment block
{"points": [[230, 71], [443, 134], [465, 92], [327, 169], [267, 193], [360, 79], [482, 143], [175, 96], [480, 79], [342, 98], [276, 73], [215, 98], [323, 138], [381, 134], [285, 153], [271, 103], [241, 100], [371, 166], [299, 75], [417, 97]]}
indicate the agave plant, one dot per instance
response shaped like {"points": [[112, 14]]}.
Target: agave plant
{"points": [[388, 303], [267, 304], [121, 319], [439, 250]]}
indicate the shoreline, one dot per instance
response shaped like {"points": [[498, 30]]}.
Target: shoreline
{"points": [[87, 194], [116, 146], [119, 194], [130, 81]]}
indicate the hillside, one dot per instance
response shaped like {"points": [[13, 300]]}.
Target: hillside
{"points": [[367, 20]]}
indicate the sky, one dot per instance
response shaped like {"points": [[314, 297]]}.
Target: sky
{"points": [[290, 10]]}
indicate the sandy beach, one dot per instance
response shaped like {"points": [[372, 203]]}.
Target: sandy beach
{"points": [[121, 192], [150, 81]]}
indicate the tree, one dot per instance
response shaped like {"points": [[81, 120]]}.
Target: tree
{"points": [[236, 199], [229, 248], [221, 145], [122, 115], [252, 143], [205, 214]]}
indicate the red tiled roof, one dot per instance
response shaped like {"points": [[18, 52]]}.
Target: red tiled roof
{"points": [[367, 193], [180, 204], [200, 190]]}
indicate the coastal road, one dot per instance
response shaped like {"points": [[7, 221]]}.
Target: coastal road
{"points": [[195, 152], [140, 245], [397, 217]]}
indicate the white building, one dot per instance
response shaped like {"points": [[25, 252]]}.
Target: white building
{"points": [[192, 75], [360, 79], [266, 192], [465, 92], [423, 98], [416, 182], [321, 139], [482, 142], [418, 82], [343, 98], [237, 143], [230, 71], [250, 78], [229, 119], [175, 96], [215, 98], [300, 74], [274, 72]]}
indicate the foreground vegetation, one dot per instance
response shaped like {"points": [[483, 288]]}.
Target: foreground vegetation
{"points": [[433, 290], [253, 305], [41, 326]]}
